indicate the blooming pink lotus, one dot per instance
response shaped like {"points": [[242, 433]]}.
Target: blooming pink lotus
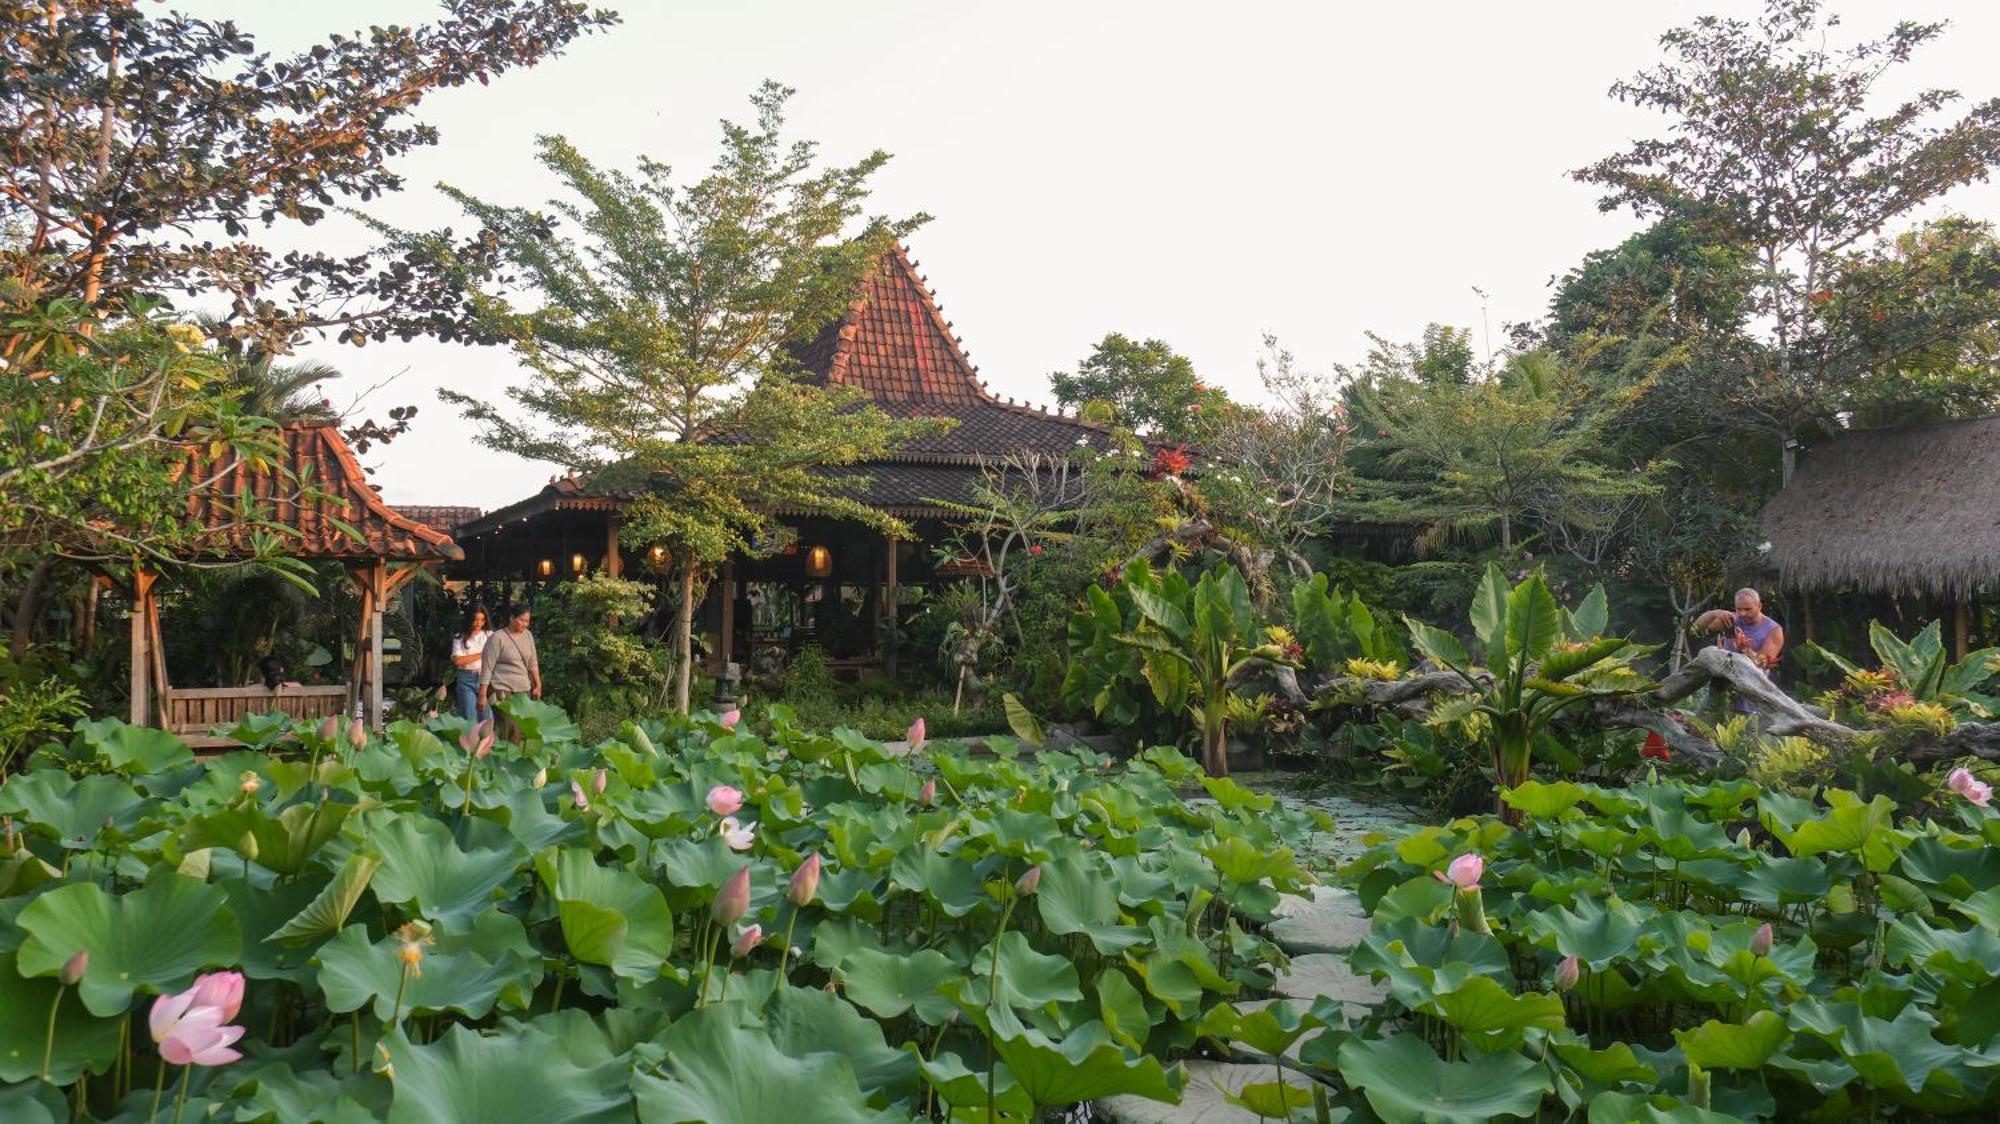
{"points": [[1965, 784], [739, 836], [916, 734], [576, 794], [724, 800], [1464, 871], [734, 900], [749, 939], [805, 881], [730, 718], [1568, 972], [190, 1027]]}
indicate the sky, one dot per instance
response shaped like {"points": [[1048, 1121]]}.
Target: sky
{"points": [[1200, 173]]}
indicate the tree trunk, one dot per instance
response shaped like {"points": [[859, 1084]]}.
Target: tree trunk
{"points": [[1215, 749], [1506, 533], [684, 642], [1788, 460], [29, 607]]}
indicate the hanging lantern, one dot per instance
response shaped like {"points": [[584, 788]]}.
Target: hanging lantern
{"points": [[819, 562], [578, 563], [657, 555], [546, 568]]}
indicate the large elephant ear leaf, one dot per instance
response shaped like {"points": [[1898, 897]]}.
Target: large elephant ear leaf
{"points": [[1565, 662], [1489, 613], [1531, 620], [1437, 645], [1160, 612], [1591, 616]]}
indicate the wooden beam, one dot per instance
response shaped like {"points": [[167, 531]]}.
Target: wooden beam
{"points": [[378, 579], [163, 688], [889, 605], [142, 639], [1959, 629], [614, 562]]}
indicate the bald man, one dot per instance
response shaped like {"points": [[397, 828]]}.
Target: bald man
{"points": [[1747, 630]]}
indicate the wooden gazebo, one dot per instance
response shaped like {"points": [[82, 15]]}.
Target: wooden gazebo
{"points": [[319, 497]]}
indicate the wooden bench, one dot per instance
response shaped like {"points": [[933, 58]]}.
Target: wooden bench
{"points": [[194, 711]]}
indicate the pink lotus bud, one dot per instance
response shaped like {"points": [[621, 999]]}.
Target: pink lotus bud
{"points": [[1027, 883], [805, 881], [329, 729], [357, 734], [734, 900], [542, 777], [750, 939], [221, 990], [598, 782], [477, 740], [74, 968], [730, 718], [724, 800], [928, 793], [1465, 870], [1567, 973], [916, 734], [1760, 942], [576, 794]]}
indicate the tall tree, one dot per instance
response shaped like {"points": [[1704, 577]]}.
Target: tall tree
{"points": [[1146, 387], [1777, 146], [656, 323]]}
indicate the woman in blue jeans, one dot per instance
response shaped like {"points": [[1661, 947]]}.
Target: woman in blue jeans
{"points": [[467, 649]]}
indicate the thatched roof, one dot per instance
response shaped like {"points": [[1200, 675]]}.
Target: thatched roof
{"points": [[1893, 509]]}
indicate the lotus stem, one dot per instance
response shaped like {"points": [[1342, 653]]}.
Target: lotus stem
{"points": [[785, 953], [992, 994], [402, 981], [49, 1042], [354, 1024], [159, 1086], [181, 1098]]}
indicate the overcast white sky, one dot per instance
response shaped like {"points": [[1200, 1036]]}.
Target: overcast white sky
{"points": [[1202, 173]]}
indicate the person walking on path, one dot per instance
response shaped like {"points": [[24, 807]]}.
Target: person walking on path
{"points": [[508, 665], [468, 650]]}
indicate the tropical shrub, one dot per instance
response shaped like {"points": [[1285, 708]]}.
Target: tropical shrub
{"points": [[1672, 951], [687, 922], [1916, 672]]}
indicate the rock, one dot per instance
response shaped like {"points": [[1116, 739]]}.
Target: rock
{"points": [[1325, 974], [1327, 919], [1201, 1102]]}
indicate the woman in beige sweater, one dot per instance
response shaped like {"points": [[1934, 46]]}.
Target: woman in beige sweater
{"points": [[508, 664]]}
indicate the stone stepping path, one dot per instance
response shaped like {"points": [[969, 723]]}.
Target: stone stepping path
{"points": [[1201, 1101]]}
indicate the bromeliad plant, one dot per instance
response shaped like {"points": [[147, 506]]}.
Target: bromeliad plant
{"points": [[1915, 673], [422, 928], [1540, 660]]}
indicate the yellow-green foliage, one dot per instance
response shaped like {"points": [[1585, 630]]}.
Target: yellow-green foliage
{"points": [[1787, 763], [1385, 670], [1920, 718]]}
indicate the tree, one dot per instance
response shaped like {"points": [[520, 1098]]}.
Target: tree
{"points": [[656, 323], [1776, 148], [1145, 387], [1922, 314], [1495, 454]]}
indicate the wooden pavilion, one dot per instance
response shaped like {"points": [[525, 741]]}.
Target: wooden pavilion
{"points": [[317, 495], [831, 583], [1908, 519]]}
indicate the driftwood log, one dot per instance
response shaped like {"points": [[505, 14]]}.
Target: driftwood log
{"points": [[1782, 714]]}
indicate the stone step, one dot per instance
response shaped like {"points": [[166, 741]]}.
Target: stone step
{"points": [[1324, 974], [1326, 919], [1201, 1101]]}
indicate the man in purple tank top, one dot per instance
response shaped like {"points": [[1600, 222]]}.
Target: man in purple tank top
{"points": [[1748, 631]]}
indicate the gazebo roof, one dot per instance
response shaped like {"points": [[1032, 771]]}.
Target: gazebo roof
{"points": [[325, 501], [1893, 509]]}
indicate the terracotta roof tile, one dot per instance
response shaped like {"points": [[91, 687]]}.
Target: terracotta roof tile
{"points": [[443, 517]]}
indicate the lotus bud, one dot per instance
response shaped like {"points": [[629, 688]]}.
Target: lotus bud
{"points": [[221, 990], [74, 968], [329, 729], [1743, 838], [542, 777], [928, 793], [478, 739], [1760, 942], [750, 939], [916, 734], [805, 881], [730, 718], [576, 795], [1567, 973], [724, 800], [249, 783], [734, 900], [357, 734], [247, 846], [1465, 870], [598, 782], [1028, 882], [1699, 1088]]}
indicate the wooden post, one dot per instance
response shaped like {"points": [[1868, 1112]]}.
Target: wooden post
{"points": [[889, 605], [142, 642], [614, 563], [163, 691], [378, 584], [357, 677], [1805, 599], [1959, 645], [725, 646]]}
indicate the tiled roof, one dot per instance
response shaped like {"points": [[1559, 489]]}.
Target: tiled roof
{"points": [[895, 344], [906, 491], [443, 517], [324, 497]]}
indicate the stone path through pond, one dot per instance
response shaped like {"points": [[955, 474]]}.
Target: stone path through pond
{"points": [[1316, 930]]}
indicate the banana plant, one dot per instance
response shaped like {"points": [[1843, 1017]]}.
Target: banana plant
{"points": [[1194, 643], [1540, 660], [1927, 673], [1335, 626]]}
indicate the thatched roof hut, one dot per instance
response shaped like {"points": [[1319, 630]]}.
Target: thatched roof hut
{"points": [[1893, 510]]}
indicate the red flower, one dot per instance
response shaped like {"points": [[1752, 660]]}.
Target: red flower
{"points": [[1035, 549], [1656, 747]]}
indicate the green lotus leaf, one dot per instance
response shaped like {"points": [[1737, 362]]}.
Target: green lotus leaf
{"points": [[1421, 960], [80, 815], [353, 972], [1640, 1108], [284, 843], [717, 1069], [1406, 1083], [1495, 1018], [1027, 978], [1982, 907], [1897, 1054], [963, 1087], [609, 917], [421, 863], [1613, 1065], [1243, 862], [314, 1096], [1745, 1045], [1077, 896], [891, 983], [34, 1102], [263, 910], [1840, 830], [1774, 882], [1122, 1008], [805, 1021], [1543, 801], [1596, 934], [328, 910], [1083, 1065], [24, 871], [133, 750], [1270, 1099], [84, 1043], [156, 937], [953, 886], [466, 1077], [1963, 954], [1269, 1030], [538, 721], [1682, 836], [1952, 872]]}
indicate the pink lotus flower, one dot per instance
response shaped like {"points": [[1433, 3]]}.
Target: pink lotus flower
{"points": [[598, 782], [916, 734], [1465, 870], [750, 939], [928, 793], [805, 881], [189, 1027], [1567, 973], [1761, 940], [724, 800], [576, 794], [730, 718], [1029, 882], [357, 734], [477, 740], [734, 900], [74, 968], [329, 729], [739, 836], [1965, 784]]}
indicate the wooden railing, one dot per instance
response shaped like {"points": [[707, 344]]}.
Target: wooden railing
{"points": [[193, 711]]}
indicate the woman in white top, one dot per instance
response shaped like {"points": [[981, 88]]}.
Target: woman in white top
{"points": [[467, 649]]}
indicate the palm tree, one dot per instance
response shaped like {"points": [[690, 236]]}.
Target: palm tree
{"points": [[266, 388]]}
